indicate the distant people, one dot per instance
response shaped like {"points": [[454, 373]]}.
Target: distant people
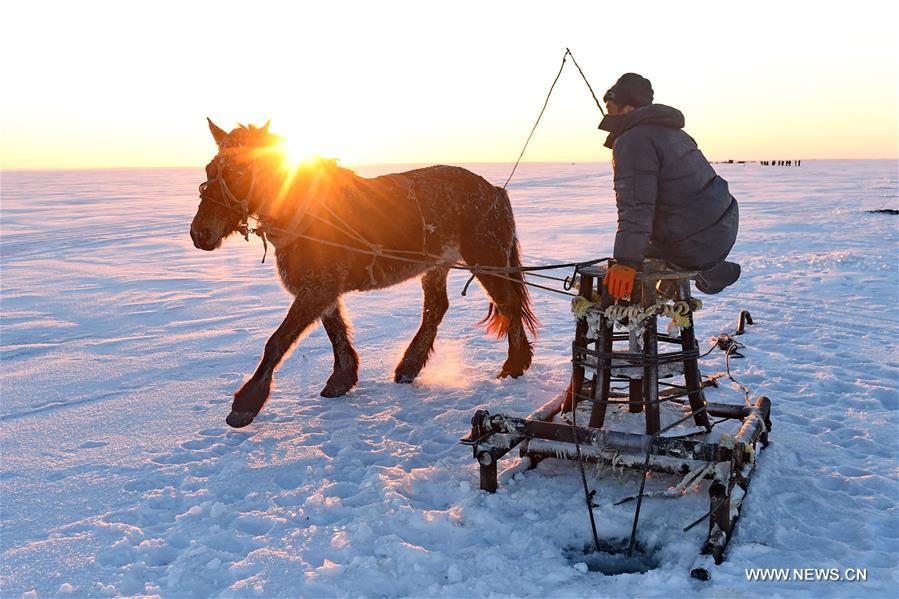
{"points": [[781, 162], [671, 203]]}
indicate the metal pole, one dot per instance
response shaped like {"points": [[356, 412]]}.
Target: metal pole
{"points": [[692, 376]]}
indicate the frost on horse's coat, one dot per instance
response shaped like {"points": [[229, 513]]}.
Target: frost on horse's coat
{"points": [[329, 227]]}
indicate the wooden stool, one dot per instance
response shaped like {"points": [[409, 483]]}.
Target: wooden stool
{"points": [[641, 364]]}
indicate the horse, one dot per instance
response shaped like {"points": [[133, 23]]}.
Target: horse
{"points": [[334, 232]]}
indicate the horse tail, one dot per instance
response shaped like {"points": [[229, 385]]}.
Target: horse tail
{"points": [[528, 318], [495, 323], [498, 323]]}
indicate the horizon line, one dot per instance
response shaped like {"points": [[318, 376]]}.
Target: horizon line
{"points": [[366, 164]]}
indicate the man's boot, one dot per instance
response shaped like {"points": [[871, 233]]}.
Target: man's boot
{"points": [[717, 278]]}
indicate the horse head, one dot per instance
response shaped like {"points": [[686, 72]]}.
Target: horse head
{"points": [[239, 178]]}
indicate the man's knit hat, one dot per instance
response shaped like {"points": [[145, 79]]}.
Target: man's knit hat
{"points": [[630, 89]]}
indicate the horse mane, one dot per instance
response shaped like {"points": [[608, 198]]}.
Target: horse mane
{"points": [[318, 174], [323, 177], [251, 136], [328, 166]]}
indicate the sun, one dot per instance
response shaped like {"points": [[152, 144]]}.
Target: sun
{"points": [[303, 140], [296, 153]]}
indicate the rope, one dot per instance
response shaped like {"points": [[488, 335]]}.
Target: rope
{"points": [[711, 511], [512, 279], [595, 99], [537, 122], [731, 347], [633, 541], [677, 311], [747, 393], [588, 494], [426, 257], [546, 102], [376, 251]]}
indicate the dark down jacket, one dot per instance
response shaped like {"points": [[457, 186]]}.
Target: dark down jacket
{"points": [[671, 203]]}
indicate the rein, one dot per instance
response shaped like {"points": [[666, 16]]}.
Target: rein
{"points": [[284, 237]]}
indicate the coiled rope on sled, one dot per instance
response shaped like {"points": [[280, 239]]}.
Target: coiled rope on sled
{"points": [[678, 311]]}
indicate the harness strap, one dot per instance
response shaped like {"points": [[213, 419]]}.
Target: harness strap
{"points": [[232, 201]]}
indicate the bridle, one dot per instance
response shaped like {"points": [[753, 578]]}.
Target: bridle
{"points": [[280, 237], [231, 201], [235, 204]]}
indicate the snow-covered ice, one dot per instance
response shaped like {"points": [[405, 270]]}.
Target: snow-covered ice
{"points": [[122, 345]]}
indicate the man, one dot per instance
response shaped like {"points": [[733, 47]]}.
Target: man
{"points": [[671, 203]]}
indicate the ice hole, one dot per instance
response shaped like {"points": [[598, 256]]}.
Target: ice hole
{"points": [[612, 558]]}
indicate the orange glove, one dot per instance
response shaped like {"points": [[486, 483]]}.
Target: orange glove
{"points": [[620, 280]]}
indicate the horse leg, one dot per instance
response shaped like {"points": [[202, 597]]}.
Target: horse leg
{"points": [[252, 395], [506, 318], [346, 360], [435, 305]]}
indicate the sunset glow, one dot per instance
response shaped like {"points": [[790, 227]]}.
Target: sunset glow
{"points": [[296, 153], [372, 83]]}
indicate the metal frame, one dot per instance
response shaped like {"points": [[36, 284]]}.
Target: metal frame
{"points": [[495, 435]]}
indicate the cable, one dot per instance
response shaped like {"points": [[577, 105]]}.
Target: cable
{"points": [[588, 494], [595, 99], [537, 122], [546, 102]]}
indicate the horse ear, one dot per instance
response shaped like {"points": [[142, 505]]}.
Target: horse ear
{"points": [[265, 126], [218, 134]]}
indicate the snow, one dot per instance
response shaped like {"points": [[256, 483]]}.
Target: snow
{"points": [[122, 345]]}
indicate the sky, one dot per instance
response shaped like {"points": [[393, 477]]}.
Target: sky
{"points": [[129, 84]]}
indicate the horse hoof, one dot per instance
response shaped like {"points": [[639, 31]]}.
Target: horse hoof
{"points": [[403, 378], [504, 373], [340, 383], [335, 390], [407, 371], [240, 419]]}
